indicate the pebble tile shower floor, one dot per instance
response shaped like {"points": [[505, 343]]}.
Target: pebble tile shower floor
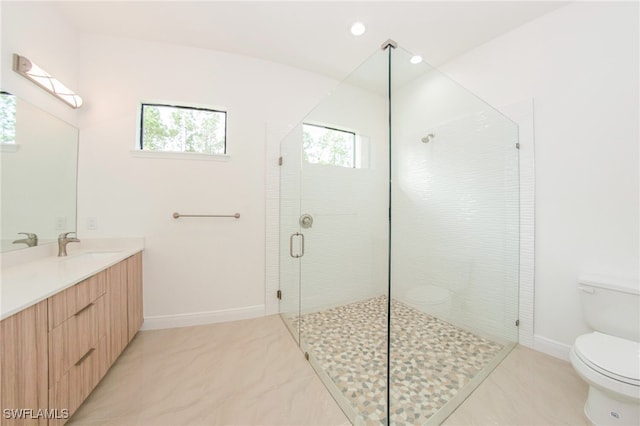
{"points": [[431, 360]]}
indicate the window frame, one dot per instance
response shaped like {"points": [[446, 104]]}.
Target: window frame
{"points": [[354, 159], [178, 105]]}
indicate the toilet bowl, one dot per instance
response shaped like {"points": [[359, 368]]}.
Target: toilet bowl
{"points": [[431, 299], [611, 367], [608, 359]]}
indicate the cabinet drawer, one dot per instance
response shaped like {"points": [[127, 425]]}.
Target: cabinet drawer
{"points": [[67, 303], [70, 341], [76, 384]]}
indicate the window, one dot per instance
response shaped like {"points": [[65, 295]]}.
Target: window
{"points": [[7, 118], [325, 145], [171, 128]]}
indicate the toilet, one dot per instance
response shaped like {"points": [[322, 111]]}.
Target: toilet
{"points": [[608, 359]]}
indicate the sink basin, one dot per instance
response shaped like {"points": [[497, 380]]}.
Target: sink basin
{"points": [[89, 256]]}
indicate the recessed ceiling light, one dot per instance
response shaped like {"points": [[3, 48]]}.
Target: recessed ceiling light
{"points": [[358, 28], [416, 59]]}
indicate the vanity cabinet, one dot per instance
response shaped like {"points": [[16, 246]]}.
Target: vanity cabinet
{"points": [[78, 346], [55, 352], [24, 364]]}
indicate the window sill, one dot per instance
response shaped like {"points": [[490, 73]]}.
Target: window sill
{"points": [[166, 155]]}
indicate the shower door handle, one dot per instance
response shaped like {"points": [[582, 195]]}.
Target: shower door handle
{"points": [[296, 234], [291, 245]]}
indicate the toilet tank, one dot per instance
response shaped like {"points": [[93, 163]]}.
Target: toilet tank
{"points": [[611, 305]]}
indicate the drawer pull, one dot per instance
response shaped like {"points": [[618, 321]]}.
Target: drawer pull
{"points": [[85, 356], [83, 309]]}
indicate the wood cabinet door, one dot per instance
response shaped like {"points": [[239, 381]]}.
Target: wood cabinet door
{"points": [[24, 364], [118, 329], [134, 294], [70, 391]]}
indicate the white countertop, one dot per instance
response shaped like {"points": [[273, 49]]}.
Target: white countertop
{"points": [[25, 283]]}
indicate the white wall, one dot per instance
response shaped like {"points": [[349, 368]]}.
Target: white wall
{"points": [[580, 65], [37, 30], [195, 269]]}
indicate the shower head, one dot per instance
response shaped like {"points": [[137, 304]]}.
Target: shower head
{"points": [[428, 138]]}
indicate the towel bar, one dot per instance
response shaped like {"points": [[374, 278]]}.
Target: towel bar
{"points": [[178, 215]]}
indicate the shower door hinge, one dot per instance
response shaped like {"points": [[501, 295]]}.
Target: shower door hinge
{"points": [[388, 43], [517, 323], [517, 145], [279, 294], [280, 161]]}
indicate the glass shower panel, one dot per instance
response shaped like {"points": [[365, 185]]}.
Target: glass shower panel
{"points": [[344, 270], [454, 244], [290, 152]]}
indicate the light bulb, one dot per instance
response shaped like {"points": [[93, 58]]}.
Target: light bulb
{"points": [[358, 28]]}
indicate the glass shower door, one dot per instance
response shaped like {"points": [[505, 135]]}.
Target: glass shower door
{"points": [[399, 241], [343, 273], [455, 241]]}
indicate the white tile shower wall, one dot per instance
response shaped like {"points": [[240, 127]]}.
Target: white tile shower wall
{"points": [[580, 63], [194, 268], [455, 206], [345, 250]]}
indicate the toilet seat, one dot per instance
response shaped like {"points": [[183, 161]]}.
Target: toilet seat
{"points": [[613, 357]]}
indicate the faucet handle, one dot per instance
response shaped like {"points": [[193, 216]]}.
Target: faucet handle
{"points": [[65, 234], [28, 234]]}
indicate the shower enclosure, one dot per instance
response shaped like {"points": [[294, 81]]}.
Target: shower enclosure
{"points": [[399, 236]]}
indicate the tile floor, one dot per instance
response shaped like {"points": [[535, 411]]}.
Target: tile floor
{"points": [[527, 388], [252, 373]]}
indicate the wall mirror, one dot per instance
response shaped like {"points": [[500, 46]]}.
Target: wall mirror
{"points": [[38, 160]]}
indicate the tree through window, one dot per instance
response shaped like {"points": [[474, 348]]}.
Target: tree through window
{"points": [[182, 129], [324, 145], [7, 118]]}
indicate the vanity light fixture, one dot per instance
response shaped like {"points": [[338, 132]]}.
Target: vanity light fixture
{"points": [[28, 69], [358, 28]]}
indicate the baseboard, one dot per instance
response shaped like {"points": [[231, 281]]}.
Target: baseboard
{"points": [[201, 318], [551, 347]]}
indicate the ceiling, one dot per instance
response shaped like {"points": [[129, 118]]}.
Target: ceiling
{"points": [[312, 35]]}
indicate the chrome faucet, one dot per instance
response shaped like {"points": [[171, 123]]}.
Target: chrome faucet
{"points": [[63, 240], [30, 241]]}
